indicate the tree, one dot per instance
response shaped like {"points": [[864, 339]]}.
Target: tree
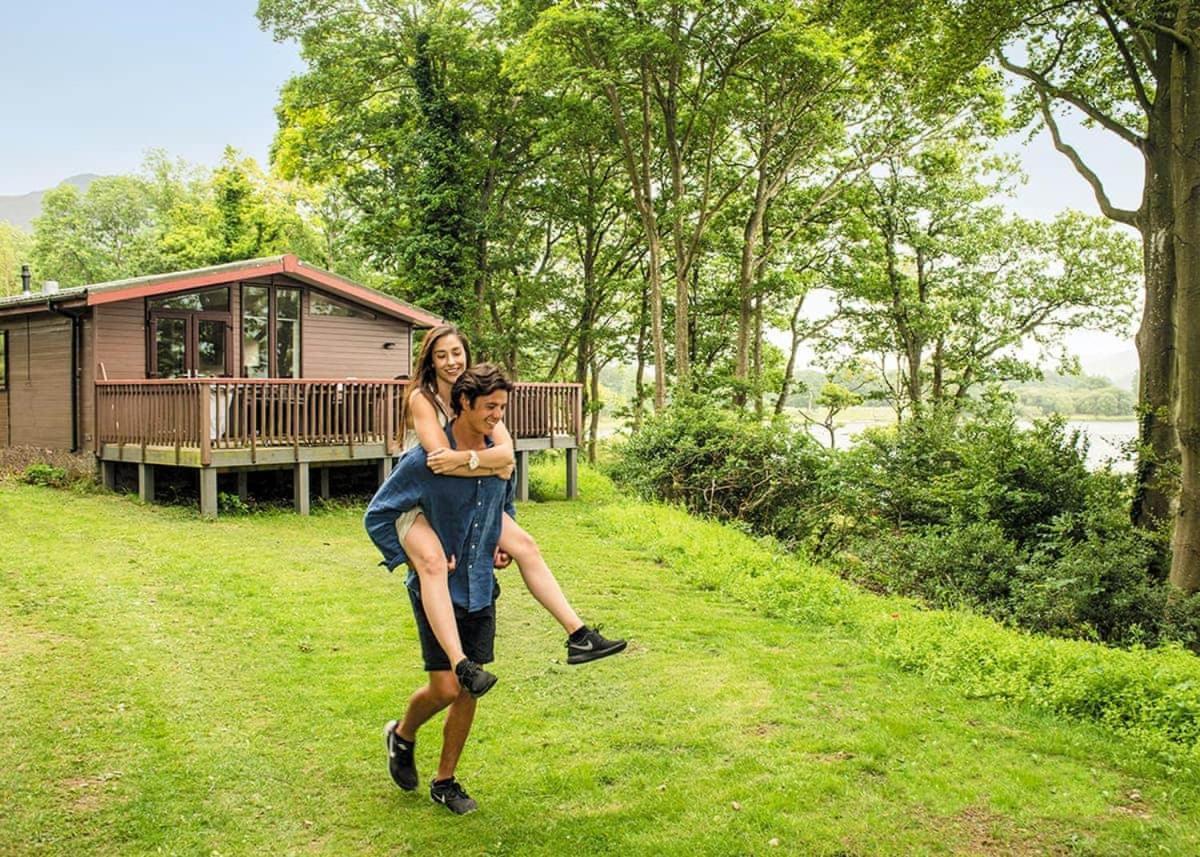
{"points": [[108, 233], [948, 287], [409, 114], [1125, 66], [16, 248]]}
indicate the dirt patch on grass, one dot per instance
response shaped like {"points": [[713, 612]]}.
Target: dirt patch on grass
{"points": [[17, 641], [830, 758], [88, 794], [977, 830]]}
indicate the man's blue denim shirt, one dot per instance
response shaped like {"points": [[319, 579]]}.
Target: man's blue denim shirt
{"points": [[465, 512]]}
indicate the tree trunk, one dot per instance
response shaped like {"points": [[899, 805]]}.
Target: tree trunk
{"points": [[1185, 184], [594, 414], [750, 235], [786, 387], [639, 374], [1159, 455]]}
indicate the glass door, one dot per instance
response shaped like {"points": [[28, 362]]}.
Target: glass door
{"points": [[189, 345]]}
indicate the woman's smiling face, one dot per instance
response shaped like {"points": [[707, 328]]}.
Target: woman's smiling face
{"points": [[449, 358]]}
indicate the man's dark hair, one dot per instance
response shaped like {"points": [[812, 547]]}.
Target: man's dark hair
{"points": [[482, 379]]}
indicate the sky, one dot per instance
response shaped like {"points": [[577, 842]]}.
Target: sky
{"points": [[91, 87]]}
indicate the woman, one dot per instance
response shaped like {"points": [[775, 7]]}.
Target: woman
{"points": [[444, 356]]}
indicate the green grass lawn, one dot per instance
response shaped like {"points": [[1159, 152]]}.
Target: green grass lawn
{"points": [[170, 685]]}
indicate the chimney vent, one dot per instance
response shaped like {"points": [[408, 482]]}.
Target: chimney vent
{"points": [[26, 279]]}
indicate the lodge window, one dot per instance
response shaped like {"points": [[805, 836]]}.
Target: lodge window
{"points": [[189, 334], [3, 360], [270, 331], [321, 305]]}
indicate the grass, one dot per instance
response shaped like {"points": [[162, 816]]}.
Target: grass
{"points": [[185, 687]]}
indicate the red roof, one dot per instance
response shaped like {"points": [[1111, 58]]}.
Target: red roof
{"points": [[289, 265]]}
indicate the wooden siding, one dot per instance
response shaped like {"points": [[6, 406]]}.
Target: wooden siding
{"points": [[331, 346], [337, 347], [4, 441], [120, 341], [39, 375], [87, 386]]}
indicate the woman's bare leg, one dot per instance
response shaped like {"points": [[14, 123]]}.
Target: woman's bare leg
{"points": [[424, 550], [539, 580]]}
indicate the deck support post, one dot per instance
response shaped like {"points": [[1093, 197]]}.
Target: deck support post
{"points": [[572, 472], [146, 483], [243, 485], [385, 470], [324, 483], [522, 474], [300, 487], [208, 492], [108, 474]]}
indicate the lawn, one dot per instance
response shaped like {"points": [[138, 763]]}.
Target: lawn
{"points": [[171, 685]]}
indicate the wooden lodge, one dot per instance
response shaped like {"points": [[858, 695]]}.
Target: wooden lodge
{"points": [[263, 364]]}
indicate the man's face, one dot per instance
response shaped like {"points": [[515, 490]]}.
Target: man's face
{"points": [[486, 412]]}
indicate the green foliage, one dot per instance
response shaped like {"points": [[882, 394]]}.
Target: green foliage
{"points": [[934, 273], [231, 504], [978, 513], [16, 249], [730, 467], [174, 217], [46, 475]]}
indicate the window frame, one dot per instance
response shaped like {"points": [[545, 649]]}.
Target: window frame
{"points": [[272, 343], [4, 361], [191, 345]]}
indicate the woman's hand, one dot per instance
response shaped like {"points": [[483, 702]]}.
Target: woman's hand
{"points": [[443, 460]]}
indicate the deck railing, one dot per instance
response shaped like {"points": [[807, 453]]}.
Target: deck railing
{"points": [[246, 413]]}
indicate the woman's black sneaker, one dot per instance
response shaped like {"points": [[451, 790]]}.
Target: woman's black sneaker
{"points": [[401, 764], [586, 644], [452, 796], [475, 679]]}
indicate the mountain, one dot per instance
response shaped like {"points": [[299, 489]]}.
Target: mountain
{"points": [[20, 210]]}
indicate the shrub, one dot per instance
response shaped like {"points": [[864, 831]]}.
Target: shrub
{"points": [[45, 474], [768, 476]]}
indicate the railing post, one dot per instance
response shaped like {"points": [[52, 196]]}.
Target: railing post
{"points": [[389, 443], [205, 423], [578, 390]]}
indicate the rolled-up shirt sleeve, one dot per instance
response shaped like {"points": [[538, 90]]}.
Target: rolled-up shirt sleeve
{"points": [[400, 492]]}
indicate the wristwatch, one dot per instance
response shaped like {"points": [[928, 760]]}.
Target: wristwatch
{"points": [[473, 460]]}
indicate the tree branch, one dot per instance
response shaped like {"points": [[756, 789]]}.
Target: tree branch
{"points": [[1127, 57], [1045, 87], [1121, 215]]}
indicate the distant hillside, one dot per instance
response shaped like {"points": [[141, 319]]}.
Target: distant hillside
{"points": [[20, 210]]}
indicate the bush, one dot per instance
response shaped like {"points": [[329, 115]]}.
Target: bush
{"points": [[46, 475], [978, 513], [768, 476]]}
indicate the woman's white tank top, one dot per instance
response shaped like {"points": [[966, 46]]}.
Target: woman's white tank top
{"points": [[410, 436]]}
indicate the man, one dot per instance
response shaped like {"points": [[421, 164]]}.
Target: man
{"points": [[466, 514]]}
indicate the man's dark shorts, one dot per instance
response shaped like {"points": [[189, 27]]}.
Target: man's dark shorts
{"points": [[476, 632]]}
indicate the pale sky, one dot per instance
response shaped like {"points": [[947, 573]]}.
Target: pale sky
{"points": [[90, 87]]}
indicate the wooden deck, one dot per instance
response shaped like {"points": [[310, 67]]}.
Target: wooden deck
{"points": [[237, 424]]}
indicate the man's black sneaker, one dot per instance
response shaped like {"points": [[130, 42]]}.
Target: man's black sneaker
{"points": [[591, 646], [401, 764], [452, 796], [475, 679]]}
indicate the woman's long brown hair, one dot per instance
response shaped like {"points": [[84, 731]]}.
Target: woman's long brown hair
{"points": [[424, 375]]}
